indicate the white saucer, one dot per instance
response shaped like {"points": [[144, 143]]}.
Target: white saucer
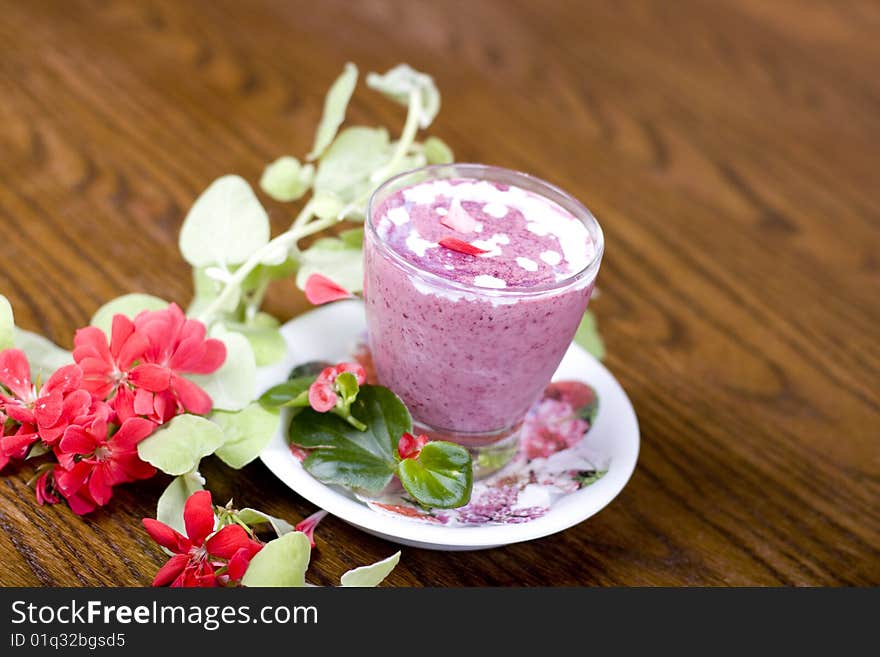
{"points": [[331, 332]]}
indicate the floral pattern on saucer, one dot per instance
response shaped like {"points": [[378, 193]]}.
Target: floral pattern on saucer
{"points": [[554, 460]]}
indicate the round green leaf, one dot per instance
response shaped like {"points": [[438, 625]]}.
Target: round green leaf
{"points": [[245, 432], [281, 562], [129, 305], [368, 576], [7, 323], [178, 446], [43, 355], [337, 259], [437, 152], [401, 82], [253, 517], [441, 476], [225, 225], [169, 509], [231, 387], [346, 166], [335, 104], [286, 179]]}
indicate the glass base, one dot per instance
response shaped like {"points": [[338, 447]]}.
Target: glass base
{"points": [[490, 451]]}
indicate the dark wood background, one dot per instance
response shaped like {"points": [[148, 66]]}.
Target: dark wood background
{"points": [[730, 150]]}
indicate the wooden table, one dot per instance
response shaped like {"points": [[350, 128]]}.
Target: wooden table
{"points": [[730, 150]]}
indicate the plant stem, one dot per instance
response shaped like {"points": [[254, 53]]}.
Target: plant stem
{"points": [[410, 130], [286, 240]]}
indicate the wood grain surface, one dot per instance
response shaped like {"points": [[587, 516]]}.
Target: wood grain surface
{"points": [[730, 150]]}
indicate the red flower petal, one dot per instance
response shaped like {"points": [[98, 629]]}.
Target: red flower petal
{"points": [[212, 357], [322, 397], [101, 485], [198, 516], [120, 331], [78, 441], [355, 368], [165, 536], [238, 564], [90, 342], [456, 244], [171, 570], [148, 376], [132, 431], [48, 408], [80, 503], [15, 373], [409, 446], [194, 399], [320, 290], [458, 219], [64, 379], [227, 541]]}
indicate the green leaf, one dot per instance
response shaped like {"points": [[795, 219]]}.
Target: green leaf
{"points": [[340, 260], [170, 506], [437, 152], [289, 393], [588, 336], [340, 454], [353, 238], [371, 575], [347, 387], [335, 105], [232, 386], [225, 225], [253, 517], [281, 562], [177, 447], [400, 82], [327, 205], [43, 355], [441, 476], [286, 179], [129, 305], [264, 336], [7, 324], [345, 168], [246, 433]]}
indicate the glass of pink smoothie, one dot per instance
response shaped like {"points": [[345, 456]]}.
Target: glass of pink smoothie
{"points": [[476, 279]]}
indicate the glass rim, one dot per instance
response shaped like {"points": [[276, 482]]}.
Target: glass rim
{"points": [[535, 184]]}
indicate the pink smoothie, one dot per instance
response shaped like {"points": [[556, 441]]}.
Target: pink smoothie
{"points": [[469, 341]]}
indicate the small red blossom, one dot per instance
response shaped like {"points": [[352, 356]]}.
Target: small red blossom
{"points": [[455, 244], [44, 486], [320, 290], [308, 525], [140, 371], [203, 557], [98, 455], [409, 446], [322, 393], [36, 414]]}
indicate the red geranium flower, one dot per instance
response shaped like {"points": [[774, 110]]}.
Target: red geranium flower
{"points": [[96, 456], [322, 393], [36, 414], [201, 556], [140, 369]]}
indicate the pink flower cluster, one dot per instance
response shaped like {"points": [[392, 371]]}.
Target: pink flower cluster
{"points": [[90, 416]]}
